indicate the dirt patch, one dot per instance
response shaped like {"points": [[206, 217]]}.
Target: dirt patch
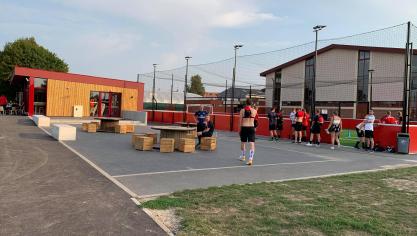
{"points": [[168, 218], [257, 201], [306, 231], [299, 198], [402, 184], [354, 233]]}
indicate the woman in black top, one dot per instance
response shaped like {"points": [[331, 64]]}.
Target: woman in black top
{"points": [[272, 118]]}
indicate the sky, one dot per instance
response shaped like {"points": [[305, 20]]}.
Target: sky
{"points": [[121, 38]]}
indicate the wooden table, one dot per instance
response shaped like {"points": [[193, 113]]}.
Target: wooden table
{"points": [[186, 124], [174, 132], [107, 124]]}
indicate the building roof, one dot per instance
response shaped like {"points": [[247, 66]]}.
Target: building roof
{"points": [[24, 72], [241, 93], [331, 47]]}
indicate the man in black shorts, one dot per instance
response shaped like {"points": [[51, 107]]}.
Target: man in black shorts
{"points": [[272, 118], [298, 125], [315, 130], [360, 132], [247, 131]]}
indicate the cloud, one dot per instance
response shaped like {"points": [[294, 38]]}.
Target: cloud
{"points": [[108, 42], [241, 18]]}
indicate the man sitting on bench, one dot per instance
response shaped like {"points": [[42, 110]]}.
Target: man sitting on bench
{"points": [[208, 129]]}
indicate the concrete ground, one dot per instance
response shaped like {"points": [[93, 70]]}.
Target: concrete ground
{"points": [[45, 189], [152, 173]]}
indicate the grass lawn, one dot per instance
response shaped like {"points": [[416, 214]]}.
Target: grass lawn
{"points": [[378, 203], [348, 137]]}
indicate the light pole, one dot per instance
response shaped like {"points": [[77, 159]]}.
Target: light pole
{"points": [[316, 29], [236, 47], [184, 117], [370, 71], [153, 91], [172, 86]]}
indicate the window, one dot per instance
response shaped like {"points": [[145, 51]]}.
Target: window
{"points": [[40, 83], [105, 104], [277, 90], [291, 103], [308, 82], [363, 76], [40, 95]]}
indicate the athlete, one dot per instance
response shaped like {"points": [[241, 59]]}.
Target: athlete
{"points": [[247, 131], [389, 119], [316, 124], [272, 118], [280, 124], [369, 130], [335, 127], [298, 125], [292, 119], [360, 132], [305, 123]]}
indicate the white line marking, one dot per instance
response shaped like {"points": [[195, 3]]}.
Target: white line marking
{"points": [[133, 195], [221, 168]]}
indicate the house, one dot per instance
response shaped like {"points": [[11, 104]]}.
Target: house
{"points": [[343, 81], [58, 94]]}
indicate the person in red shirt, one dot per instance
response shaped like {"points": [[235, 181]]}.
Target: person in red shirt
{"points": [[389, 119], [298, 125], [306, 123]]}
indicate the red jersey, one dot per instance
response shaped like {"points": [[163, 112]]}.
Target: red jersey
{"points": [[389, 120], [306, 120]]}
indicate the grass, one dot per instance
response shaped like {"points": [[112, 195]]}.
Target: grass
{"points": [[378, 203], [348, 137]]}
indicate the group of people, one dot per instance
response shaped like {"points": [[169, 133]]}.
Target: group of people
{"points": [[205, 127]]}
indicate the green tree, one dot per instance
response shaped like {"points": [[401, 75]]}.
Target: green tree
{"points": [[26, 52], [196, 85]]}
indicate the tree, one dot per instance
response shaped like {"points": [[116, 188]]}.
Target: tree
{"points": [[196, 85], [26, 52]]}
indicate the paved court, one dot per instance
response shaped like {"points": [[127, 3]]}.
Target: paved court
{"points": [[152, 173]]}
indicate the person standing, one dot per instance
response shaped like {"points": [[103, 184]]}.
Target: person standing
{"points": [[280, 123], [298, 125], [292, 119], [335, 127], [360, 132], [369, 130], [400, 117], [200, 117], [389, 119], [247, 131], [306, 123], [317, 123], [272, 118]]}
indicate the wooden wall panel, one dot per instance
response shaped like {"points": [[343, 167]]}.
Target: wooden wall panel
{"points": [[62, 96]]}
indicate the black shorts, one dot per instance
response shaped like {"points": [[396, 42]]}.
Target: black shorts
{"points": [[315, 129], [334, 128], [304, 128], [272, 127], [369, 134], [298, 126], [201, 127], [247, 134], [279, 126], [293, 126], [360, 133]]}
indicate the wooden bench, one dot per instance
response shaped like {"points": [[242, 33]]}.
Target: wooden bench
{"points": [[64, 132], [41, 120]]}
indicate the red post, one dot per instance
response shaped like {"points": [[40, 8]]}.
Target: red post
{"points": [[31, 96]]}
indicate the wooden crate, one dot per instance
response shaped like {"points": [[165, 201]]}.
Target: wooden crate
{"points": [[97, 124], [84, 127], [186, 145], [91, 128], [144, 143], [166, 145], [154, 136], [120, 129], [130, 128], [208, 143], [135, 136]]}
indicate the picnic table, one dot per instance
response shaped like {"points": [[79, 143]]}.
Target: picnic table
{"points": [[186, 124], [175, 132], [108, 124]]}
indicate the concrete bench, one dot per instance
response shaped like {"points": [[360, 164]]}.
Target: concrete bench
{"points": [[64, 132], [41, 120]]}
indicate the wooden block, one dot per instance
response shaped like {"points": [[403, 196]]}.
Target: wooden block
{"points": [[186, 145], [166, 145], [187, 141], [208, 143], [97, 123], [120, 129], [135, 136], [91, 127], [144, 143], [130, 128], [84, 127], [154, 136]]}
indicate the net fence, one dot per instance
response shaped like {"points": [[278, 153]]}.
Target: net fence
{"points": [[215, 74]]}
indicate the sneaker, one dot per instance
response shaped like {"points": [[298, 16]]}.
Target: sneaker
{"points": [[249, 163], [332, 147], [309, 144], [271, 139], [242, 158]]}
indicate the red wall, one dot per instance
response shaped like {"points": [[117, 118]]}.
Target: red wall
{"points": [[385, 135]]}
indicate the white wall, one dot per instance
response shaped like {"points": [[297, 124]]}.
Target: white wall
{"points": [[269, 89], [292, 81]]}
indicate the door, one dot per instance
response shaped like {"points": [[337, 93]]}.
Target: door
{"points": [[115, 104], [362, 109], [105, 104]]}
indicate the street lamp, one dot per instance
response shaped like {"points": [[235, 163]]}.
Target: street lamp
{"points": [[236, 47], [370, 71], [184, 117], [153, 91], [316, 29]]}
